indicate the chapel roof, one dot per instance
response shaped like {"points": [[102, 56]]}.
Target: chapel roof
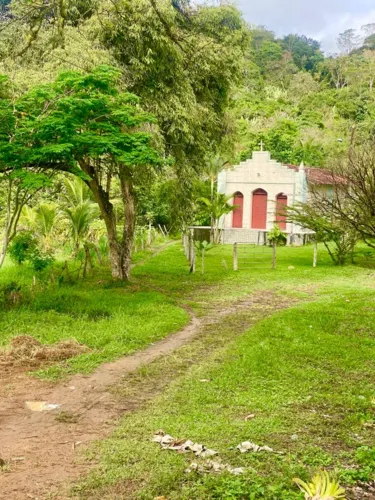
{"points": [[315, 175]]}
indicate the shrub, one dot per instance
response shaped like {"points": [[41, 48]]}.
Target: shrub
{"points": [[40, 260], [276, 235], [321, 487], [22, 247]]}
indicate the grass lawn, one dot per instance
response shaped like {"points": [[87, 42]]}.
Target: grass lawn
{"points": [[307, 373], [111, 319]]}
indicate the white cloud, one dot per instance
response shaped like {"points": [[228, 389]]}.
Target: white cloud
{"points": [[328, 35], [320, 19]]}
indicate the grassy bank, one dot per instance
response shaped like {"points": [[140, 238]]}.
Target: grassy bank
{"points": [[114, 319], [307, 374]]}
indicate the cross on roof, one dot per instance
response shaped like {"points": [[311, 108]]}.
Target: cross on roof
{"points": [[261, 145]]}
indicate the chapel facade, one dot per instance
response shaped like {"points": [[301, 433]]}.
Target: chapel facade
{"points": [[261, 188]]}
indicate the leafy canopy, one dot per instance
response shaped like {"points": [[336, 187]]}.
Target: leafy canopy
{"points": [[80, 119]]}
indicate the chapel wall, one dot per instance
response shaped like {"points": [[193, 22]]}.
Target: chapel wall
{"points": [[259, 173]]}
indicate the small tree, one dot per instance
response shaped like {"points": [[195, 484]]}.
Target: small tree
{"points": [[41, 220], [276, 237], [216, 208], [328, 229], [83, 124], [22, 247], [214, 165], [349, 210], [79, 210]]}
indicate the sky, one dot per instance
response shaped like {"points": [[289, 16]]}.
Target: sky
{"points": [[319, 19]]}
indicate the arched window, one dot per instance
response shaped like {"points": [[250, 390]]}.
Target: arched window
{"points": [[281, 203], [259, 209], [238, 211]]}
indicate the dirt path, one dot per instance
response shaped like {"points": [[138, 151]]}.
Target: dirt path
{"points": [[41, 447]]}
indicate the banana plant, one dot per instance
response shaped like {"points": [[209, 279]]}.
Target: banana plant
{"points": [[321, 488]]}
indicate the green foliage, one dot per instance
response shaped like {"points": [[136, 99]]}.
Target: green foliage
{"points": [[41, 220], [219, 206], [327, 228], [183, 71], [78, 209], [276, 235], [22, 247], [203, 246], [40, 260], [306, 52], [85, 117], [363, 469]]}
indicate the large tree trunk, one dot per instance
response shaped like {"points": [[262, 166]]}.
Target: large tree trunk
{"points": [[119, 248]]}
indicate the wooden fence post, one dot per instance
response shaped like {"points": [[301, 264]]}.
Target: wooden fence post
{"points": [[235, 257], [274, 255], [191, 245], [315, 260], [193, 260], [186, 245]]}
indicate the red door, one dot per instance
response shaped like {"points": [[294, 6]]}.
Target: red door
{"points": [[281, 203], [238, 211], [259, 213]]}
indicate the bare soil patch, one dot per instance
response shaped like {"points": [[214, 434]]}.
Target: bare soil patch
{"points": [[42, 449]]}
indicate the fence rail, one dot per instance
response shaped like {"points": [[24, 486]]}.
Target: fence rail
{"points": [[244, 255]]}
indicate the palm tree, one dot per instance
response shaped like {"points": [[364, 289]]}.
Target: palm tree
{"points": [[42, 221], [217, 207], [76, 191], [79, 210]]}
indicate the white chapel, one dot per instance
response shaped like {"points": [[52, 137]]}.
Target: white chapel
{"points": [[261, 187]]}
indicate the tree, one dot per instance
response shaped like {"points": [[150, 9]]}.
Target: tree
{"points": [[368, 29], [352, 202], [183, 70], [20, 188], [306, 52], [83, 124], [41, 220], [328, 229], [335, 68], [79, 209], [16, 187], [181, 58], [348, 41], [214, 165], [50, 17], [369, 42], [216, 208]]}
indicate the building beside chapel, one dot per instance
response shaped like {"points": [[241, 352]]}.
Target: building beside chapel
{"points": [[262, 187]]}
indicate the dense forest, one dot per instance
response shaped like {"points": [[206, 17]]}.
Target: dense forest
{"points": [[144, 101]]}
